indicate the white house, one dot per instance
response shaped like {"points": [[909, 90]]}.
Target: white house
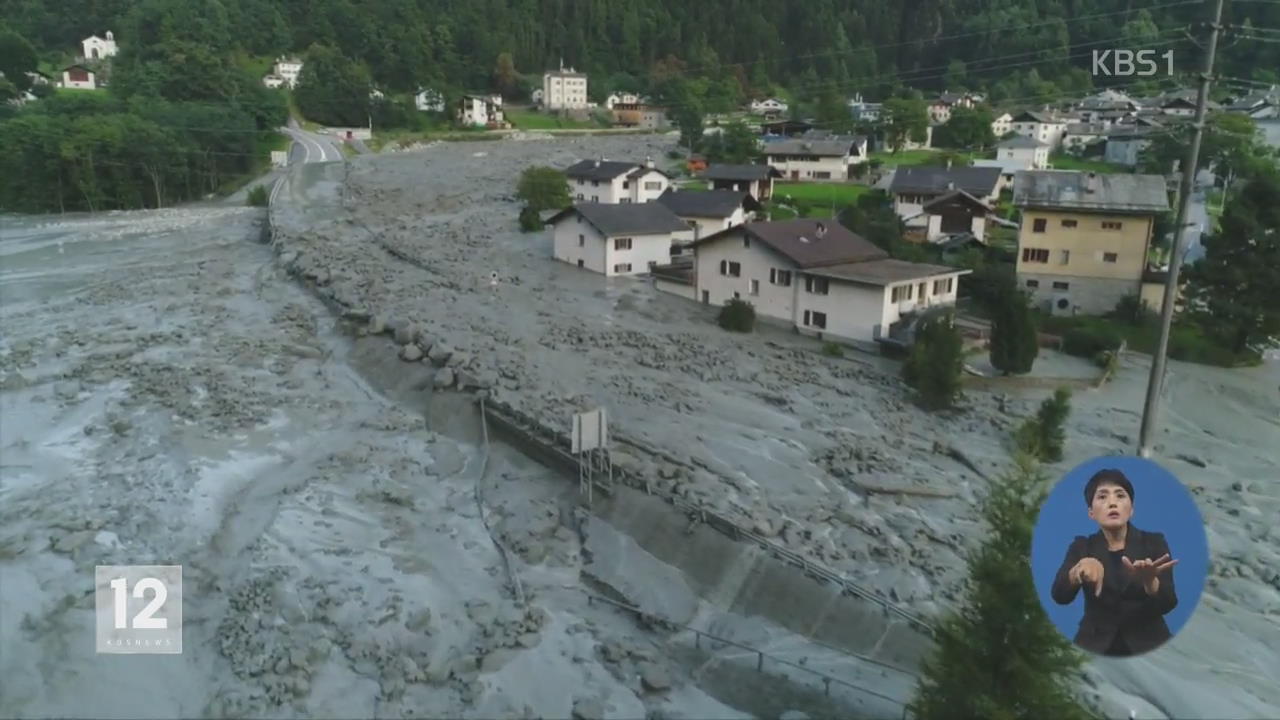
{"points": [[608, 181], [710, 211], [1079, 135], [622, 98], [829, 158], [480, 110], [1002, 125], [1023, 149], [272, 80], [617, 239], [864, 111], [816, 276], [96, 48], [564, 89], [768, 106], [429, 100], [1041, 126], [289, 69], [79, 77], [913, 187]]}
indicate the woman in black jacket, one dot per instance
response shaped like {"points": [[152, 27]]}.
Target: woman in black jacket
{"points": [[1125, 572]]}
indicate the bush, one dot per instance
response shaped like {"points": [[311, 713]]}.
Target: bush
{"points": [[1014, 344], [1108, 360], [832, 350], [737, 316], [1044, 435], [530, 220], [258, 196], [1088, 341], [544, 188]]}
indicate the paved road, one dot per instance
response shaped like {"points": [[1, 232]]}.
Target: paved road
{"points": [[311, 147]]}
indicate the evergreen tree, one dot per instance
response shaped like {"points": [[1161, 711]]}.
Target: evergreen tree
{"points": [[998, 655], [543, 188], [17, 58], [935, 362], [1013, 333], [1236, 282]]}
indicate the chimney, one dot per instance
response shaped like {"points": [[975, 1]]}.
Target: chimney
{"points": [[951, 185], [822, 231], [1090, 183], [648, 161], [948, 163], [596, 162]]}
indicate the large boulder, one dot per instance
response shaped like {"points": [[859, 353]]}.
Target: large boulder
{"points": [[406, 332], [440, 354], [444, 378], [654, 677], [411, 353]]}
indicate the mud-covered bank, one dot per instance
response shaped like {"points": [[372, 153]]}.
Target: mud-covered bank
{"points": [[825, 455]]}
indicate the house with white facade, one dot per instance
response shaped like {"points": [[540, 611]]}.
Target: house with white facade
{"points": [[79, 77], [481, 111], [768, 106], [609, 181], [564, 89], [1024, 150], [754, 179], [1042, 126], [710, 211], [620, 239], [817, 159], [288, 68], [913, 187], [1002, 125], [816, 276], [623, 98], [97, 48], [429, 100], [272, 81], [863, 111], [940, 108], [1106, 107], [1260, 105], [1078, 136]]}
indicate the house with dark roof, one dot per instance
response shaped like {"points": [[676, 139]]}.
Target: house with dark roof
{"points": [[710, 211], [912, 187], [79, 77], [754, 179], [617, 239], [1083, 242], [822, 159], [610, 181], [952, 213], [817, 277], [1043, 125], [1030, 153]]}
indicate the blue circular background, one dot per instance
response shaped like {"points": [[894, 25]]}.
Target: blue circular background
{"points": [[1160, 504]]}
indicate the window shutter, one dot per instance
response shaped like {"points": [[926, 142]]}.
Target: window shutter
{"points": [[724, 267]]}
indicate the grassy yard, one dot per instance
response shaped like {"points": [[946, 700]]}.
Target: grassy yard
{"points": [[913, 157], [821, 193], [531, 120], [1067, 162], [255, 65], [1187, 341]]}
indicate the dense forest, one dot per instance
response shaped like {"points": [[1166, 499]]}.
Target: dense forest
{"points": [[181, 58]]}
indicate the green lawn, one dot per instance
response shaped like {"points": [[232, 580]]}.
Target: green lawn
{"points": [[255, 65], [820, 193], [1068, 162], [913, 157], [530, 120]]}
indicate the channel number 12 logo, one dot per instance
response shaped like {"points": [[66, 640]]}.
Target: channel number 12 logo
{"points": [[138, 608]]}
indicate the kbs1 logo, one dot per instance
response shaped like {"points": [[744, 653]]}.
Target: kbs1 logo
{"points": [[1131, 63], [138, 608]]}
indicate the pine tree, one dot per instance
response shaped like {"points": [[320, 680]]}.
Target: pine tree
{"points": [[934, 364], [1052, 418], [1014, 346], [998, 656]]}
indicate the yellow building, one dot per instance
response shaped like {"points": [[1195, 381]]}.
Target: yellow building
{"points": [[1084, 237]]}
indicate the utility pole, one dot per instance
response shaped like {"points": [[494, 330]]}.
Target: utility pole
{"points": [[1155, 385]]}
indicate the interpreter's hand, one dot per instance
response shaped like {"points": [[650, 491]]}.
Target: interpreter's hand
{"points": [[1145, 571], [1089, 570]]}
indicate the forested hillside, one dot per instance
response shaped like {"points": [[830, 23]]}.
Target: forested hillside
{"points": [[186, 84], [854, 45]]}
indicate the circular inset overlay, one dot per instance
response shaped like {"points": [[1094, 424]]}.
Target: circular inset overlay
{"points": [[1119, 556]]}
